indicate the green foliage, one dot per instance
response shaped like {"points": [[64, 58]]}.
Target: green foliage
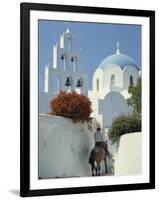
{"points": [[135, 99], [124, 124]]}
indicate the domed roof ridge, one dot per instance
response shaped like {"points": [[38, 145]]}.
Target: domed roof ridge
{"points": [[119, 59]]}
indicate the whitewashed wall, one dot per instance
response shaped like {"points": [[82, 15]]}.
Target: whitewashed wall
{"points": [[127, 72], [64, 147], [128, 160], [113, 105], [113, 70], [98, 74]]}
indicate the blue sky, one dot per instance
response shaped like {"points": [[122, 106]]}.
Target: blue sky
{"points": [[96, 41]]}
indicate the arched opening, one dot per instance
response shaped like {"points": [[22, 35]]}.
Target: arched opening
{"points": [[63, 61], [72, 64], [112, 80], [79, 83], [68, 83], [97, 84], [131, 80]]}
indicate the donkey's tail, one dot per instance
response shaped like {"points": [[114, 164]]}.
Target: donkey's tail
{"points": [[92, 157]]}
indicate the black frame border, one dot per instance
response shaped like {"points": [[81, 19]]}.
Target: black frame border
{"points": [[25, 9]]}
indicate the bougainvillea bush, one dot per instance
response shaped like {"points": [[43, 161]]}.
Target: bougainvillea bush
{"points": [[71, 105]]}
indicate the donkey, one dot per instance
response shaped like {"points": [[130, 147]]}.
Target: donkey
{"points": [[97, 155]]}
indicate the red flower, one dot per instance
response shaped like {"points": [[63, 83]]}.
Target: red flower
{"points": [[71, 105]]}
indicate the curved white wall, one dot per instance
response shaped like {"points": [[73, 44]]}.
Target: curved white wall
{"points": [[64, 148], [128, 160], [98, 74], [109, 71], [127, 72], [113, 105]]}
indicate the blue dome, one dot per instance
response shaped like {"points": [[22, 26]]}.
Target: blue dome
{"points": [[117, 59]]}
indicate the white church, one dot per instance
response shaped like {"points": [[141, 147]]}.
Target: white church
{"points": [[110, 82]]}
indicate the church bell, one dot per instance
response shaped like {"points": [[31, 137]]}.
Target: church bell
{"points": [[68, 82], [62, 57], [72, 59], [79, 83]]}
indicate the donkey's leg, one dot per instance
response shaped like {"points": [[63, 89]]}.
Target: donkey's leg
{"points": [[105, 161], [99, 170], [96, 168], [92, 170]]}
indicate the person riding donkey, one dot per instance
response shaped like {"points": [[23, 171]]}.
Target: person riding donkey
{"points": [[99, 141], [99, 153]]}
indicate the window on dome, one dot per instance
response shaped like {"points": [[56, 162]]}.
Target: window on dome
{"points": [[97, 84], [112, 80], [131, 80]]}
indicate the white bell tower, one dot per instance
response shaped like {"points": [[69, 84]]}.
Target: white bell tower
{"points": [[65, 73], [65, 56]]}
